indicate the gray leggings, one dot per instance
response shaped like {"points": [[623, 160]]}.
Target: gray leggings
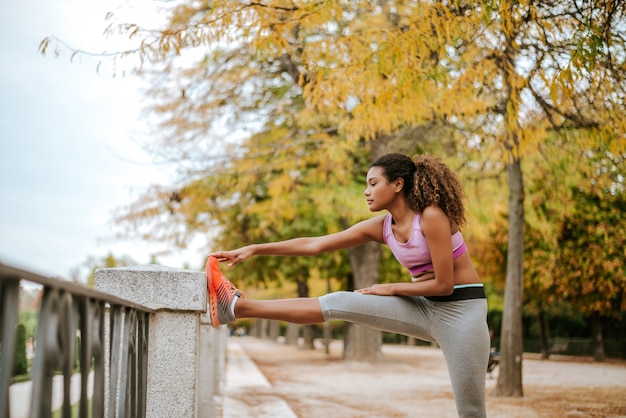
{"points": [[459, 327]]}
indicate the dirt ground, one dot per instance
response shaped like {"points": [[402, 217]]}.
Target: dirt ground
{"points": [[413, 382]]}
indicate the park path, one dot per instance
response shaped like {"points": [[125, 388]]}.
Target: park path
{"points": [[247, 393], [269, 379]]}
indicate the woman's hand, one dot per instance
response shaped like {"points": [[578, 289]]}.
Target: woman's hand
{"points": [[234, 256], [378, 289]]}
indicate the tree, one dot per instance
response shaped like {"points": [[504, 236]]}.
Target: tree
{"points": [[591, 270], [543, 66], [553, 170]]}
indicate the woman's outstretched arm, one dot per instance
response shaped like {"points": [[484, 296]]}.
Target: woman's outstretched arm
{"points": [[358, 234]]}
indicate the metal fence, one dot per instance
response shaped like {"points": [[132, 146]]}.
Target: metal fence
{"points": [[71, 325]]}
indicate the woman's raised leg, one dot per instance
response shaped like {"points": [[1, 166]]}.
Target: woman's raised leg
{"points": [[297, 311]]}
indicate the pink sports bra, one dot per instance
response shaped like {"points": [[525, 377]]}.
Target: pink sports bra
{"points": [[414, 254]]}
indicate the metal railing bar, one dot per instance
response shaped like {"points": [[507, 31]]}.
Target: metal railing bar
{"points": [[132, 369], [9, 296], [86, 321], [142, 352], [66, 339], [115, 318], [124, 371], [46, 354], [97, 350]]}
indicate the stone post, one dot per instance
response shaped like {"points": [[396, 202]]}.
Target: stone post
{"points": [[212, 366], [176, 358]]}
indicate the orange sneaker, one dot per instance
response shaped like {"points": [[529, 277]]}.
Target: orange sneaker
{"points": [[221, 294]]}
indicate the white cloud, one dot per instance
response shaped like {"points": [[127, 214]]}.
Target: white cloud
{"points": [[67, 139]]}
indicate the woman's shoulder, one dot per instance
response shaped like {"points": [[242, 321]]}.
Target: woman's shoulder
{"points": [[432, 212], [433, 217]]}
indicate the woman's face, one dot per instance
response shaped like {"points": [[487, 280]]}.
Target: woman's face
{"points": [[379, 192]]}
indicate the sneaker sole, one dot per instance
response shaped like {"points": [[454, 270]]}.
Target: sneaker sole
{"points": [[215, 321]]}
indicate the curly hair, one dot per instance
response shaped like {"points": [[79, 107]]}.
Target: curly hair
{"points": [[427, 182]]}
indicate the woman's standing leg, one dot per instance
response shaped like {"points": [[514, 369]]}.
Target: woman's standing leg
{"points": [[461, 330]]}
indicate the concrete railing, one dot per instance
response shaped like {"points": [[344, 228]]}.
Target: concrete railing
{"points": [[186, 358]]}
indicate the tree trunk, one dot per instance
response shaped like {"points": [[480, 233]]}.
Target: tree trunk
{"points": [[543, 335], [598, 340], [511, 344], [362, 343], [293, 332], [308, 337], [273, 330]]}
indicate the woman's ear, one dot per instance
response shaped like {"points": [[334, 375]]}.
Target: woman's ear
{"points": [[399, 184]]}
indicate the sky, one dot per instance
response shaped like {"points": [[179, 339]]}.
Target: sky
{"points": [[69, 140]]}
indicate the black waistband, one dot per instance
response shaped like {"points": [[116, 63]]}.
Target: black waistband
{"points": [[463, 293]]}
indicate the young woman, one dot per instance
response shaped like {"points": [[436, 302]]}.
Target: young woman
{"points": [[445, 301]]}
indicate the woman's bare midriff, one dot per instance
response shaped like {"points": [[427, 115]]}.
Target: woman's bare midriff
{"points": [[424, 276], [464, 272]]}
